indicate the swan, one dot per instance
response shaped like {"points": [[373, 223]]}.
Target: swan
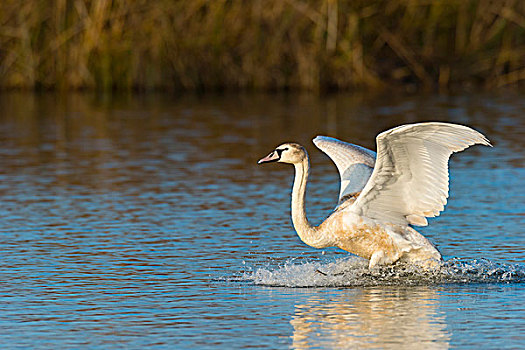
{"points": [[381, 195]]}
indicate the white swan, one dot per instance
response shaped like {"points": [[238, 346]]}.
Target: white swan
{"points": [[380, 198]]}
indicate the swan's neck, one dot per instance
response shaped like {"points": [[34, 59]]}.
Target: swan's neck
{"points": [[308, 234]]}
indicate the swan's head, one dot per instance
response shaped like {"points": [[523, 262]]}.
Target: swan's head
{"points": [[286, 153]]}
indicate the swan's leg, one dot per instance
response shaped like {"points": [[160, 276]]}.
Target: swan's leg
{"points": [[376, 258], [382, 257]]}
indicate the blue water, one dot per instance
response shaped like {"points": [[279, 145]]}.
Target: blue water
{"points": [[144, 221]]}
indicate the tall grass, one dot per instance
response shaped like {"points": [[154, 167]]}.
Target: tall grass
{"points": [[261, 44]]}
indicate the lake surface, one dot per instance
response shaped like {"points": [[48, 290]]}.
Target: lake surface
{"points": [[145, 222]]}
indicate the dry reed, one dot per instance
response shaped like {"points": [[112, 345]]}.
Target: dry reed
{"points": [[260, 44]]}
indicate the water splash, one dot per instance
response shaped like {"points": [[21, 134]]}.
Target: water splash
{"points": [[353, 271]]}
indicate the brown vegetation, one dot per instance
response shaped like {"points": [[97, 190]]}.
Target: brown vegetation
{"points": [[260, 44]]}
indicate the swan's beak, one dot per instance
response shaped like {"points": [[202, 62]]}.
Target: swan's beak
{"points": [[272, 157]]}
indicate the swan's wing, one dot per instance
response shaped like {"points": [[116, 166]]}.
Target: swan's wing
{"points": [[354, 163], [410, 180]]}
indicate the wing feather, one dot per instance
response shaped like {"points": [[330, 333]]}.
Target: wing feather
{"points": [[410, 180], [354, 163]]}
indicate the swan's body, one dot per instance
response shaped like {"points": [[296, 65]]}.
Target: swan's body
{"points": [[380, 198]]}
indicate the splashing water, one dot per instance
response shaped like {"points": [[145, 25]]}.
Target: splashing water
{"points": [[353, 271]]}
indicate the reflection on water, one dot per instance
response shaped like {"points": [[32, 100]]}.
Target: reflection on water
{"points": [[407, 318], [127, 221]]}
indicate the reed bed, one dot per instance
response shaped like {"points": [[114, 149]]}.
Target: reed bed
{"points": [[261, 44]]}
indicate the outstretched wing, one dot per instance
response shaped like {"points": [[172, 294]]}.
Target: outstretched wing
{"points": [[410, 179], [354, 163]]}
